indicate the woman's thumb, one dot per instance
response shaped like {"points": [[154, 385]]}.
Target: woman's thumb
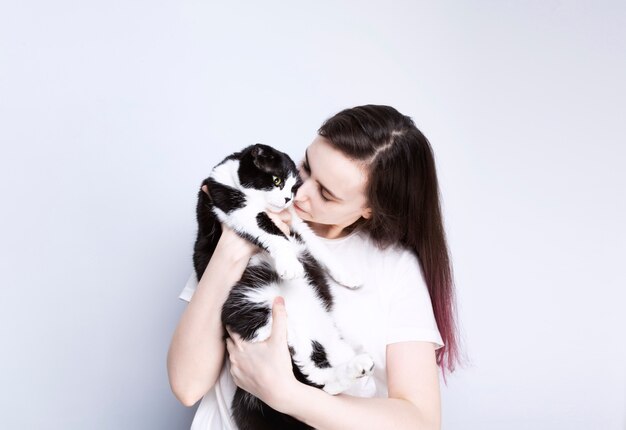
{"points": [[279, 320], [285, 216]]}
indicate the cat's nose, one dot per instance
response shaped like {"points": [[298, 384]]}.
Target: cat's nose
{"points": [[287, 199]]}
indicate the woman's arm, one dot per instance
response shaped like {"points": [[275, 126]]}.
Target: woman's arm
{"points": [[413, 402], [196, 352], [264, 369]]}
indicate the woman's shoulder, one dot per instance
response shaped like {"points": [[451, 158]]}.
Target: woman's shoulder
{"points": [[394, 252], [395, 257]]}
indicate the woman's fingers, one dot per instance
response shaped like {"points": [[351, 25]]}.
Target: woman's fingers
{"points": [[235, 339], [230, 347], [279, 321], [277, 218], [239, 247], [285, 216]]}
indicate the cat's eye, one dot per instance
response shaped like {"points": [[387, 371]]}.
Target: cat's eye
{"points": [[277, 180]]}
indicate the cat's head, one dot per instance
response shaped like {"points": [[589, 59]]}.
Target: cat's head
{"points": [[270, 175]]}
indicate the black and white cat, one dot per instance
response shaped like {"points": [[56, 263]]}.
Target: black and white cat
{"points": [[240, 191]]}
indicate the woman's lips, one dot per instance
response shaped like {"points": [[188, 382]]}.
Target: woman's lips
{"points": [[295, 205]]}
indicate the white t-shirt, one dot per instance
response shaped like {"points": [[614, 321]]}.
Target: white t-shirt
{"points": [[393, 305]]}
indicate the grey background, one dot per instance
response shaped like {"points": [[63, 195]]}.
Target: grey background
{"points": [[111, 113]]}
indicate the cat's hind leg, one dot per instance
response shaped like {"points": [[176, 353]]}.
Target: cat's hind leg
{"points": [[332, 364]]}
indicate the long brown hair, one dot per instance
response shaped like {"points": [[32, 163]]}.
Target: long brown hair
{"points": [[403, 193]]}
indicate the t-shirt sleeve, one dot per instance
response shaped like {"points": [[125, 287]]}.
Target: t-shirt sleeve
{"points": [[190, 288], [410, 316]]}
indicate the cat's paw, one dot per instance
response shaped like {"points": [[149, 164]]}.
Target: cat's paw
{"points": [[345, 279], [336, 387], [346, 375], [360, 366], [289, 267]]}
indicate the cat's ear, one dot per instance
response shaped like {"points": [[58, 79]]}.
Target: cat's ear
{"points": [[257, 151], [261, 156]]}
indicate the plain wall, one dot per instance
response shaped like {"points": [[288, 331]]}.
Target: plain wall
{"points": [[112, 112]]}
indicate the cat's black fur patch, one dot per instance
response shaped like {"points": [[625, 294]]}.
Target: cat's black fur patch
{"points": [[259, 416], [318, 279], [235, 156], [297, 185], [318, 356], [256, 316], [224, 197], [209, 232], [259, 276], [238, 313]]}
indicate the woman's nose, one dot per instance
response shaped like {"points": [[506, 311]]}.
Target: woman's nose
{"points": [[301, 194]]}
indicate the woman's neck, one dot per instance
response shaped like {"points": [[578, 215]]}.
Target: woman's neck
{"points": [[328, 231]]}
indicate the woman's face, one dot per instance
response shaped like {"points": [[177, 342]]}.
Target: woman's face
{"points": [[332, 195]]}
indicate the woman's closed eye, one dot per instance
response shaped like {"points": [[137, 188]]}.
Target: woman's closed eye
{"points": [[306, 167]]}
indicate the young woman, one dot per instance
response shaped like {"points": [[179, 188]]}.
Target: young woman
{"points": [[370, 191]]}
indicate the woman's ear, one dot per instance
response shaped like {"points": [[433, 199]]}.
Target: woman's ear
{"points": [[367, 213]]}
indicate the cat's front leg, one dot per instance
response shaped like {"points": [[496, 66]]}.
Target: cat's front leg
{"points": [[320, 253], [257, 227], [280, 248]]}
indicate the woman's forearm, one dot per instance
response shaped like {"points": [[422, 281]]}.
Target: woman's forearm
{"points": [[196, 352], [325, 412]]}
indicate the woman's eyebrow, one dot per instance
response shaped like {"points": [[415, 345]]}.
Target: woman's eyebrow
{"points": [[306, 158]]}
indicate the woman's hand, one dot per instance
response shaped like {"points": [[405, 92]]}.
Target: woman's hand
{"points": [[234, 247], [264, 368], [282, 220]]}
